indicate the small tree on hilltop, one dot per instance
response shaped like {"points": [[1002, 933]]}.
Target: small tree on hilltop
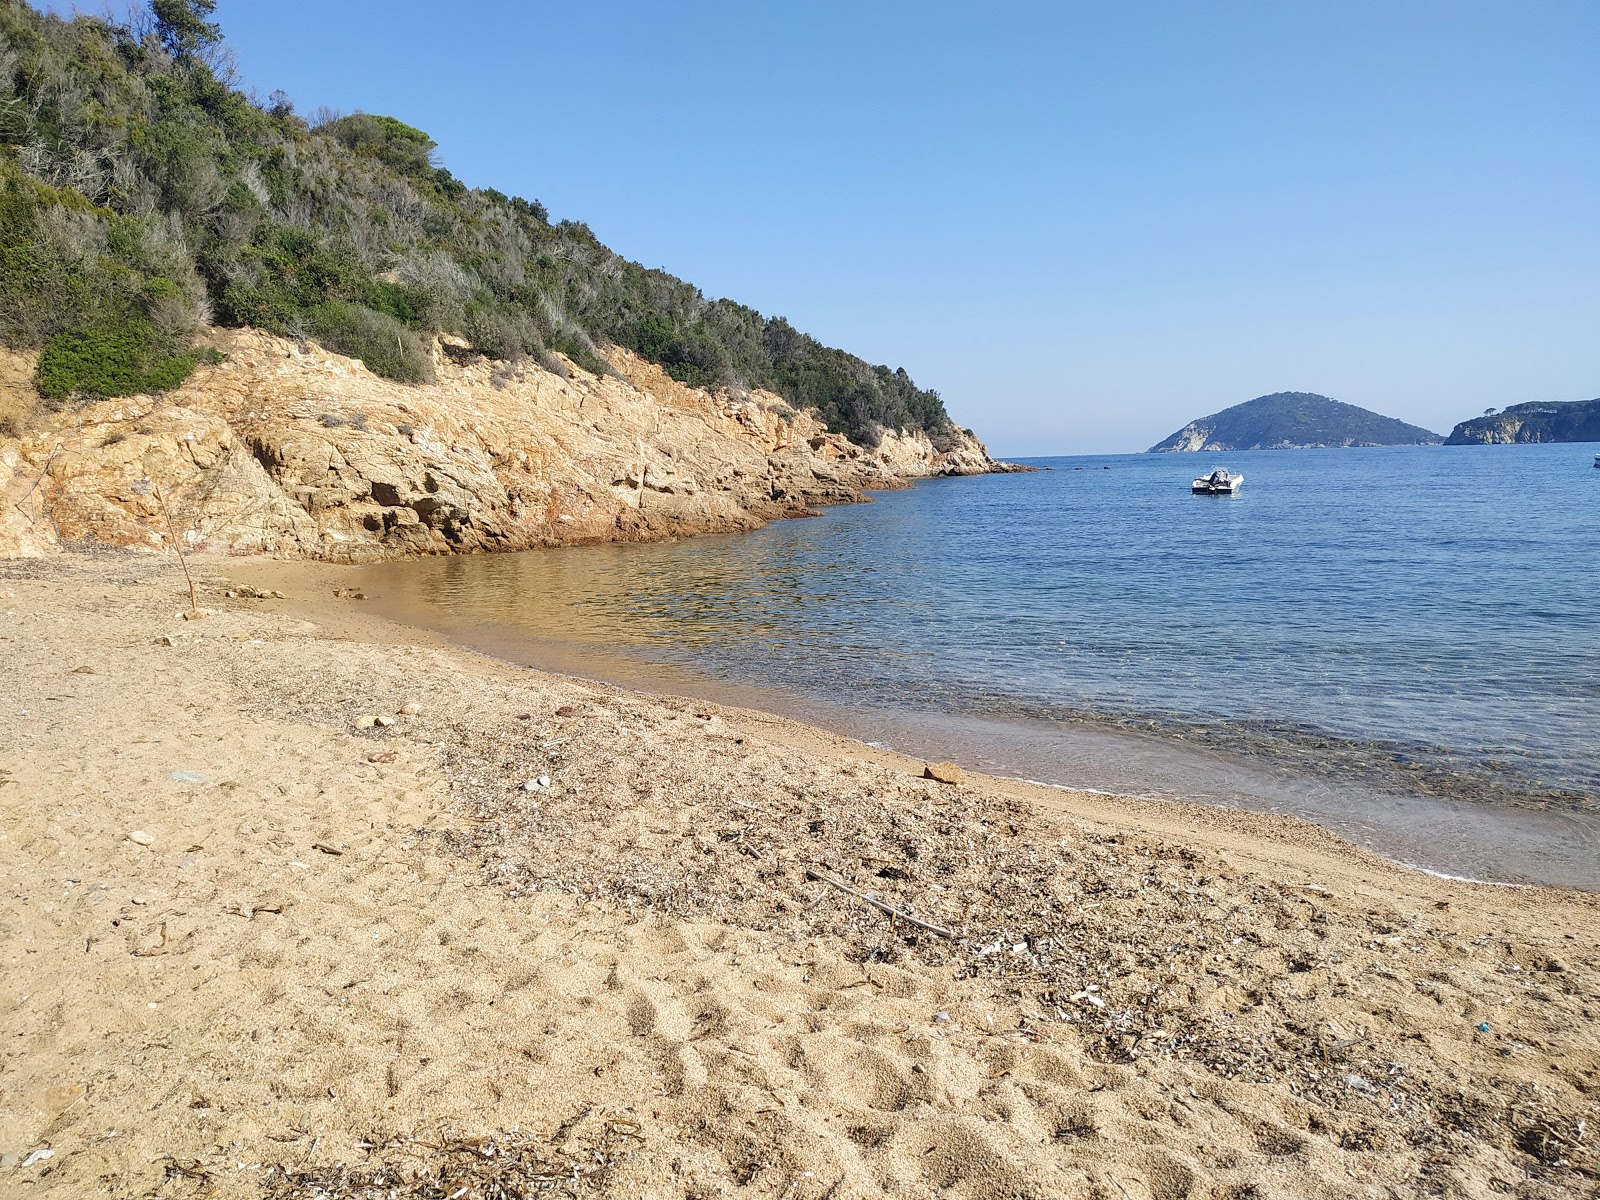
{"points": [[183, 29]]}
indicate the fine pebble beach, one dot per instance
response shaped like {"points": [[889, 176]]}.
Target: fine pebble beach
{"points": [[300, 903]]}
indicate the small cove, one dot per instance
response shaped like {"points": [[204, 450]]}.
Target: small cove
{"points": [[1367, 638]]}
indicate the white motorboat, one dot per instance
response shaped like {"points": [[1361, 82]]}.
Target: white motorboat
{"points": [[1220, 482]]}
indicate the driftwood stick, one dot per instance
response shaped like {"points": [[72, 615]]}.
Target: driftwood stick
{"points": [[894, 914]]}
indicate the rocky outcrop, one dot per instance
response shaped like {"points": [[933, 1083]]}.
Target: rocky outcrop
{"points": [[1577, 421], [1294, 421], [285, 449]]}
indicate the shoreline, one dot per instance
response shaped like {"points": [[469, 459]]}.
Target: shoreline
{"points": [[344, 938], [1475, 838]]}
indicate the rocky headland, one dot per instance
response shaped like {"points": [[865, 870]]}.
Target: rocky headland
{"points": [[1577, 421], [285, 449], [1294, 421]]}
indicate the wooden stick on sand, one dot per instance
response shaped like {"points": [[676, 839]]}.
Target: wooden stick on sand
{"points": [[894, 913]]}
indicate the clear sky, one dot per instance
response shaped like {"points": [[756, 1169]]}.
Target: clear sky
{"points": [[1085, 224]]}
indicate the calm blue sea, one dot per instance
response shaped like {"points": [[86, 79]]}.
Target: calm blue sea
{"points": [[1357, 631]]}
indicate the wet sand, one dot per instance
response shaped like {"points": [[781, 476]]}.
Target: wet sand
{"points": [[608, 928]]}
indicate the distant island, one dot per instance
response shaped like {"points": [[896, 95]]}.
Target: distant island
{"points": [[1294, 421], [1573, 421]]}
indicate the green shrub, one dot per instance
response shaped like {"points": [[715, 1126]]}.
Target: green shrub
{"points": [[402, 303], [386, 346], [393, 143], [126, 360]]}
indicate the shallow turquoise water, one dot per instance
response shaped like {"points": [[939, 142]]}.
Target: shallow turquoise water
{"points": [[1409, 622]]}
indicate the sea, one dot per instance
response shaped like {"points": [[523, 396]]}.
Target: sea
{"points": [[1399, 643]]}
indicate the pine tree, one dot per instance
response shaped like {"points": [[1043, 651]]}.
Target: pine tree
{"points": [[183, 29]]}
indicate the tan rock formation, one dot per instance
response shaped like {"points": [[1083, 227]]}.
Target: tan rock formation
{"points": [[286, 449]]}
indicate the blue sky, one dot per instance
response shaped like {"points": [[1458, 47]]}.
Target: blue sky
{"points": [[1084, 224]]}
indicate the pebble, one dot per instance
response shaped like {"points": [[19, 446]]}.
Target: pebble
{"points": [[537, 785], [384, 721], [943, 773], [141, 837], [366, 722], [410, 710], [163, 640], [194, 614]]}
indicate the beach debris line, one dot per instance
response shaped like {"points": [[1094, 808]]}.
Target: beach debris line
{"points": [[509, 1165], [895, 914]]}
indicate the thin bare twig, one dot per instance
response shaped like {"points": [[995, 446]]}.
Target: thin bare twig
{"points": [[194, 603], [55, 453], [893, 912]]}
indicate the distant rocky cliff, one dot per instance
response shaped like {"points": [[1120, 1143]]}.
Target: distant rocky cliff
{"points": [[1291, 421], [1578, 421], [286, 449]]}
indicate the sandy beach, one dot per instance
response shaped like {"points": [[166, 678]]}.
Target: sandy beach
{"points": [[297, 902]]}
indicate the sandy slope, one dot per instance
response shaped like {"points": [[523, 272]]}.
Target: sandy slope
{"points": [[343, 945]]}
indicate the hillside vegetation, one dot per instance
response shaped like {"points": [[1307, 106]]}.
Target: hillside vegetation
{"points": [[1294, 420], [1575, 421], [143, 197]]}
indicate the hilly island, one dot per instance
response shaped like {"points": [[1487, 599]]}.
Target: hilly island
{"points": [[319, 342], [1292, 421]]}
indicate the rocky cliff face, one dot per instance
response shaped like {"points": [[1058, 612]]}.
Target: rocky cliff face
{"points": [[1194, 436], [284, 449], [1569, 422]]}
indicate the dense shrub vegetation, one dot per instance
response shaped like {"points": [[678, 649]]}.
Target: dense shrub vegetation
{"points": [[143, 196]]}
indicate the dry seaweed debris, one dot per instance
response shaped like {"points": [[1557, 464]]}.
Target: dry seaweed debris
{"points": [[1132, 947], [510, 1165]]}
